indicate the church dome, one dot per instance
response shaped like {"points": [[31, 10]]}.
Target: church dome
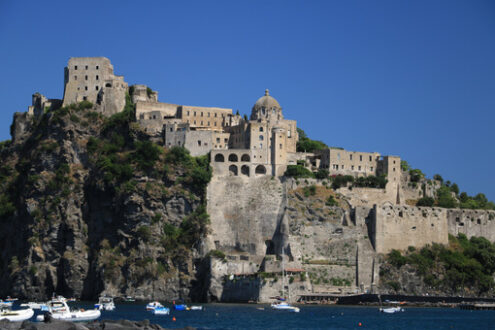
{"points": [[267, 102]]}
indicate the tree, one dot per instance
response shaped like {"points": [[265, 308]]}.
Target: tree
{"points": [[438, 177]]}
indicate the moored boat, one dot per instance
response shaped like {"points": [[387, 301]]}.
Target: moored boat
{"points": [[6, 304], [161, 311], [196, 308], [16, 315], [59, 310], [391, 310], [283, 306], [105, 303], [32, 305], [152, 305]]}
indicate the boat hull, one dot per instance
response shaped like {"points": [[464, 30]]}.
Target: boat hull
{"points": [[18, 315]]}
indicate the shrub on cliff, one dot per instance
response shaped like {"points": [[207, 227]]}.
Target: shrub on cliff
{"points": [[426, 201], [305, 144], [298, 171]]}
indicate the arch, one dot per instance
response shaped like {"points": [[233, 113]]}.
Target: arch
{"points": [[219, 158], [233, 158], [261, 137], [245, 158], [261, 128], [233, 170], [108, 85], [260, 170], [245, 170]]}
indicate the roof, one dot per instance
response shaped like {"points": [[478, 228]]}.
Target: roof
{"points": [[267, 101]]}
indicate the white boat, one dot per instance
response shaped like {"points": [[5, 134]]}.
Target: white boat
{"points": [[283, 305], [161, 311], [152, 305], [6, 304], [59, 310], [32, 305], [16, 316], [105, 303], [391, 310], [196, 308]]}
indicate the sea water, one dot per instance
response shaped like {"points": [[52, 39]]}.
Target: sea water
{"points": [[239, 316]]}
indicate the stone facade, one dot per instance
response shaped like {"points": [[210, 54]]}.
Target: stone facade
{"points": [[92, 79], [198, 142], [479, 223], [40, 103]]}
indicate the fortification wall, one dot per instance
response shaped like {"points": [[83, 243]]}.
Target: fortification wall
{"points": [[472, 223], [398, 227]]}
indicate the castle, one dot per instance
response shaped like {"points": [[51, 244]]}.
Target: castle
{"points": [[253, 216]]}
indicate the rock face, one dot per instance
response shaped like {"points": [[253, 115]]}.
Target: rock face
{"points": [[82, 222]]}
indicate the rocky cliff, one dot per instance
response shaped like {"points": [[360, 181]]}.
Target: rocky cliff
{"points": [[88, 205]]}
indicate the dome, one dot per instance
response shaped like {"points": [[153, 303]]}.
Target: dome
{"points": [[266, 102]]}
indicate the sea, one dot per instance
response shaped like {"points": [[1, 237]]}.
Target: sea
{"points": [[250, 316]]}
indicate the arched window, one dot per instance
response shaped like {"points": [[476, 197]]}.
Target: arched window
{"points": [[233, 170], [108, 85], [245, 170], [261, 128], [261, 137], [260, 170], [245, 158], [233, 158], [219, 158]]}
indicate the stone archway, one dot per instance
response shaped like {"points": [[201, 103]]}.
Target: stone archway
{"points": [[233, 170], [219, 158], [233, 158], [245, 158], [260, 170], [245, 170]]}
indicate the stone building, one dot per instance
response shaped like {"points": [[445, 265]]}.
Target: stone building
{"points": [[260, 145], [40, 103], [92, 79]]}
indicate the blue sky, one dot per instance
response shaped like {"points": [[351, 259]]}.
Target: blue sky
{"points": [[408, 78]]}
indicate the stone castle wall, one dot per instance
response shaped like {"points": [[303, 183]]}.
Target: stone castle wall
{"points": [[398, 227], [472, 223]]}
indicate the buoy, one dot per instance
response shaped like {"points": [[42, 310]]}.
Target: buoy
{"points": [[360, 324], [173, 319]]}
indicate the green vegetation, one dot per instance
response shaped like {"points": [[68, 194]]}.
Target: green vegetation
{"points": [[298, 171], [305, 144], [416, 175], [309, 191], [426, 201], [217, 254], [371, 181], [464, 264], [341, 181], [404, 166], [331, 201]]}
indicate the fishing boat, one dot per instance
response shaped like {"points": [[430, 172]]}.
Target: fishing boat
{"points": [[161, 311], [153, 305], [17, 315], [391, 310], [59, 310], [105, 303], [281, 304]]}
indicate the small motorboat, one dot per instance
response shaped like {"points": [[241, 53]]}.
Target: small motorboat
{"points": [[283, 306], [17, 315], [153, 305], [161, 311], [105, 303], [181, 307], [391, 310], [32, 305], [59, 310], [196, 308]]}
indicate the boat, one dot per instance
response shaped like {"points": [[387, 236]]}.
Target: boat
{"points": [[181, 307], [59, 310], [6, 304], [196, 308], [32, 305], [129, 299], [161, 311], [152, 305], [282, 305], [17, 315], [105, 303], [391, 310]]}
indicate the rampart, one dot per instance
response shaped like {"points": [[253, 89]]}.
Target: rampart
{"points": [[472, 223], [398, 227]]}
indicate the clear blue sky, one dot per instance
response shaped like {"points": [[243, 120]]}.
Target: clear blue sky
{"points": [[408, 78]]}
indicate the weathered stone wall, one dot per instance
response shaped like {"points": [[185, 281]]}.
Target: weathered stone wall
{"points": [[398, 227], [472, 223]]}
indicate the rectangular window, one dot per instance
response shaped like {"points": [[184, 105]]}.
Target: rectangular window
{"points": [[370, 158], [85, 98], [195, 122], [194, 113], [97, 67], [199, 143], [280, 145], [97, 87], [201, 122], [352, 167], [350, 157], [342, 166], [86, 77], [97, 78], [201, 114], [86, 88], [360, 158], [288, 133], [208, 123], [208, 114], [371, 168], [75, 67], [75, 77], [218, 140], [215, 115], [86, 67], [359, 168], [226, 140], [188, 113]]}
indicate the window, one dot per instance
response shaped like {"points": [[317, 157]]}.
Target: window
{"points": [[360, 158], [393, 169], [75, 67], [288, 133], [350, 156], [85, 98], [188, 113], [86, 77], [195, 122], [97, 87], [342, 166], [75, 77], [199, 143], [86, 67], [352, 167], [261, 129], [336, 167], [225, 140], [208, 123], [261, 145], [97, 67], [194, 113], [218, 140], [359, 168], [370, 158], [371, 168], [215, 115], [280, 145], [338, 156], [97, 78], [201, 114], [201, 122], [86, 88], [261, 137], [208, 114]]}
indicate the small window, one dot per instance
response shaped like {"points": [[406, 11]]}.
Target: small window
{"points": [[97, 78], [97, 87], [288, 133], [85, 98], [342, 166], [352, 167], [350, 156], [218, 140], [194, 113], [359, 168], [86, 77], [195, 122], [393, 169], [75, 77], [360, 158], [97, 67], [336, 167], [208, 114], [199, 143], [201, 122], [225, 140], [261, 137], [261, 129], [86, 67], [201, 114], [188, 113], [86, 88], [75, 67], [371, 168], [280, 145], [215, 115], [208, 123], [370, 158]]}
